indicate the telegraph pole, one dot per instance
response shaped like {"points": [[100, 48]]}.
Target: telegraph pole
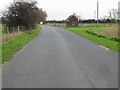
{"points": [[97, 12]]}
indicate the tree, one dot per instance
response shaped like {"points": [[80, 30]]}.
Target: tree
{"points": [[25, 14], [113, 15]]}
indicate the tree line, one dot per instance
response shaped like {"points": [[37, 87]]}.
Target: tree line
{"points": [[85, 21], [23, 14]]}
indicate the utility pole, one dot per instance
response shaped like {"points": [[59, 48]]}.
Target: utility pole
{"points": [[97, 12]]}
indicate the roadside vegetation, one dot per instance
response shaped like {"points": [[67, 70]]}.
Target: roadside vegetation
{"points": [[109, 43], [0, 54], [10, 48], [20, 25], [0, 43]]}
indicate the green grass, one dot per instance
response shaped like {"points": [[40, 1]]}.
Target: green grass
{"points": [[0, 54], [113, 45], [9, 49], [0, 43], [0, 26]]}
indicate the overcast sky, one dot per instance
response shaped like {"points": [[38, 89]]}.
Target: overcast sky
{"points": [[61, 9]]}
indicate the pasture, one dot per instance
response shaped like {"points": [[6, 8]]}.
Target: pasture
{"points": [[107, 31]]}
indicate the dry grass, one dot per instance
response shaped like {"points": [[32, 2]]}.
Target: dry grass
{"points": [[111, 33], [9, 37]]}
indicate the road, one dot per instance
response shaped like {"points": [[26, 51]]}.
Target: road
{"points": [[58, 58]]}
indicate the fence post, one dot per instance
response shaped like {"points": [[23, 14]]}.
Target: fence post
{"points": [[18, 28], [7, 30], [13, 30]]}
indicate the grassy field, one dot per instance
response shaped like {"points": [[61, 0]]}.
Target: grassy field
{"points": [[113, 45], [9, 49], [107, 31]]}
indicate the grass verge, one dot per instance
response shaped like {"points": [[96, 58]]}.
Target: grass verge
{"points": [[113, 45], [0, 54], [9, 49]]}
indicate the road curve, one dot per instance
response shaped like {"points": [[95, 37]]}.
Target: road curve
{"points": [[57, 58]]}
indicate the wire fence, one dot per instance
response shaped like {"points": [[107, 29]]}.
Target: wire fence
{"points": [[12, 30], [9, 34]]}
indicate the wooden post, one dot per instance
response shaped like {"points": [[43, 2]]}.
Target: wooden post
{"points": [[18, 28], [13, 30], [7, 30]]}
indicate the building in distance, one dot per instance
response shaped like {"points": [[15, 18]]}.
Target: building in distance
{"points": [[72, 21]]}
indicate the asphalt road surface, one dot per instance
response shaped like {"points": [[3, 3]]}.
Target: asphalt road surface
{"points": [[58, 58]]}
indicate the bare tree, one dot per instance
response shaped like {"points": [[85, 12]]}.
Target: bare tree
{"points": [[113, 14]]}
